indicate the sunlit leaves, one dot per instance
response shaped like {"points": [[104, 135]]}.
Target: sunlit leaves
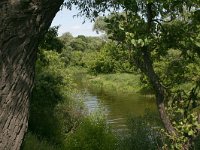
{"points": [[187, 127]]}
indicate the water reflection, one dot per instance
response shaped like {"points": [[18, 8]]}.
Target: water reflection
{"points": [[117, 107]]}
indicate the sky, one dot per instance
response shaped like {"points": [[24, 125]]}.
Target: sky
{"points": [[71, 24]]}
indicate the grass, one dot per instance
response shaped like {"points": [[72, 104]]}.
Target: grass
{"points": [[92, 134], [120, 83], [32, 142]]}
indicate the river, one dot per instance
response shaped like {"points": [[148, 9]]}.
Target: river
{"points": [[116, 106]]}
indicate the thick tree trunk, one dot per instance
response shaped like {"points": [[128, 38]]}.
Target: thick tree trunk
{"points": [[22, 24]]}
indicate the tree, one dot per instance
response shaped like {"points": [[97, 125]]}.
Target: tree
{"points": [[51, 40], [149, 29], [66, 38], [79, 43], [100, 25], [23, 24]]}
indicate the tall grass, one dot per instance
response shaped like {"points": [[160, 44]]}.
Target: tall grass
{"points": [[32, 142], [92, 134], [143, 134], [121, 83]]}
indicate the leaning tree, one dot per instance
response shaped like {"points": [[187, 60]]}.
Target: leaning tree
{"points": [[23, 24]]}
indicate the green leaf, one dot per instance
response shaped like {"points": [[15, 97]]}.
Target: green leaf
{"points": [[133, 42], [197, 44], [191, 132], [141, 42]]}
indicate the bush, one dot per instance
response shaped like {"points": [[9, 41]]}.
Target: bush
{"points": [[143, 133], [92, 134], [99, 62], [50, 110], [109, 59], [32, 142], [76, 58]]}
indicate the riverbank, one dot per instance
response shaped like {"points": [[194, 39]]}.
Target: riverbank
{"points": [[128, 113], [118, 83], [58, 119]]}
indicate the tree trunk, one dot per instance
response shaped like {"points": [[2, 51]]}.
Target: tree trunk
{"points": [[147, 68], [23, 23]]}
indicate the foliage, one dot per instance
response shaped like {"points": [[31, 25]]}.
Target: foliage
{"points": [[121, 83], [98, 57], [76, 58], [150, 30], [100, 63], [53, 114], [51, 41], [183, 110], [109, 59], [143, 133], [77, 47], [100, 25], [33, 143], [54, 117], [161, 38], [81, 42], [92, 133], [175, 70]]}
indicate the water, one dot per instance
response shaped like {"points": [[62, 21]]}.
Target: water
{"points": [[117, 107]]}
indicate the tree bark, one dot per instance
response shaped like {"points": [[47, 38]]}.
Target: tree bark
{"points": [[147, 68], [23, 23]]}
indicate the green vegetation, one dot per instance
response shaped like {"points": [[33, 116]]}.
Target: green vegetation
{"points": [[121, 83], [110, 59], [34, 143], [162, 38], [93, 133], [145, 53], [57, 120], [117, 83], [143, 133]]}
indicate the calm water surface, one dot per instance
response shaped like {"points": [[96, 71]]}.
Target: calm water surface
{"points": [[117, 107]]}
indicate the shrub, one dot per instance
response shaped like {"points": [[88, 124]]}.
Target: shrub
{"points": [[143, 133], [109, 59], [50, 112], [32, 142], [76, 58], [92, 134]]}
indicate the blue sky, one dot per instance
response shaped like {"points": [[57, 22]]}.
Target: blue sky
{"points": [[71, 24]]}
